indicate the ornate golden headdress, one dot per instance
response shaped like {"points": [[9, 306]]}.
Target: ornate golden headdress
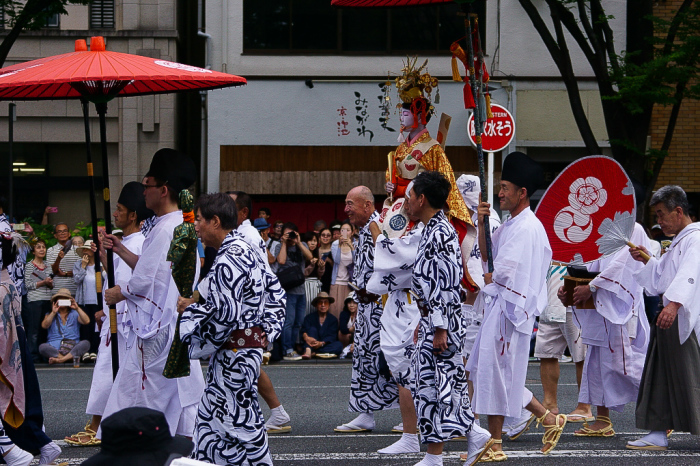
{"points": [[415, 87]]}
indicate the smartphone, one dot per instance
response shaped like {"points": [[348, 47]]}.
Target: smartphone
{"points": [[344, 234], [18, 226], [64, 303], [53, 210], [325, 255]]}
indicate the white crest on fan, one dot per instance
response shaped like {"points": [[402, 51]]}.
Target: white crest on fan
{"points": [[571, 226], [587, 195]]}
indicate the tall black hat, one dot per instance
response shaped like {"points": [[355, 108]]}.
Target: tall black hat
{"points": [[522, 171], [174, 168], [132, 198]]}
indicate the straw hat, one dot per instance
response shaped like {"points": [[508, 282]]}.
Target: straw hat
{"points": [[322, 295], [63, 293], [79, 250]]}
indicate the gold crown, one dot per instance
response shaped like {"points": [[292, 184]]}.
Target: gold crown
{"points": [[415, 82]]}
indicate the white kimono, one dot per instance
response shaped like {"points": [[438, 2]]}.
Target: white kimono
{"points": [[151, 297], [102, 373], [614, 359], [518, 293], [393, 265], [676, 276]]}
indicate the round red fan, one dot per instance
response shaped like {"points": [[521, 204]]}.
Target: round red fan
{"points": [[588, 211]]}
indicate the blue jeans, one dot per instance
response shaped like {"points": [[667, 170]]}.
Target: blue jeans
{"points": [[296, 308]]}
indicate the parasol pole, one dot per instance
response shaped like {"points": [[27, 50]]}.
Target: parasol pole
{"points": [[466, 12], [102, 112], [93, 205]]}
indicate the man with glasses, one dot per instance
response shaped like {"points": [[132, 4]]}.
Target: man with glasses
{"points": [[61, 257]]}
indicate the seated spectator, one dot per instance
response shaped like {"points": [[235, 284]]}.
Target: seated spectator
{"points": [[346, 327], [37, 279], [341, 251], [138, 436], [86, 296], [320, 330], [312, 285], [63, 325]]}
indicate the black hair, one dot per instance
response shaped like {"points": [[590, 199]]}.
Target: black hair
{"points": [[9, 251], [266, 210], [243, 201], [220, 205], [319, 225], [345, 304], [291, 226], [434, 186], [60, 223]]}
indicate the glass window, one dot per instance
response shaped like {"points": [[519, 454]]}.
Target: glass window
{"points": [[314, 26]]}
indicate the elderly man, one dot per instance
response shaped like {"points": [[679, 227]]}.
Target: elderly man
{"points": [[669, 392], [371, 387], [243, 306], [515, 293], [61, 257], [439, 386]]}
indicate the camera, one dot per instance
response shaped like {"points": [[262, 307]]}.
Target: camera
{"points": [[292, 235], [64, 303]]}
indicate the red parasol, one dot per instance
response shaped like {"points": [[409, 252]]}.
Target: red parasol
{"points": [[588, 211], [98, 76]]}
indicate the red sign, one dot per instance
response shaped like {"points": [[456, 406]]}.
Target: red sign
{"points": [[498, 131]]}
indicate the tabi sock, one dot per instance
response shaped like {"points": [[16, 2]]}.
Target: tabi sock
{"points": [[408, 443]]}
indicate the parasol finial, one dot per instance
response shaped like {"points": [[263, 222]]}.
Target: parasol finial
{"points": [[97, 44], [81, 45]]}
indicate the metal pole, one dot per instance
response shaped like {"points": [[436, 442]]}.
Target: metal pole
{"points": [[102, 112], [11, 136], [466, 11]]}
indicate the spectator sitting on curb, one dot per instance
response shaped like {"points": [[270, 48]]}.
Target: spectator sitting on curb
{"points": [[62, 324], [346, 326], [320, 330]]}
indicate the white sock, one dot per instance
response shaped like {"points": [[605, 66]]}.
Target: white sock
{"points": [[657, 437], [18, 457], [476, 422], [408, 443], [364, 420], [430, 460], [49, 452]]}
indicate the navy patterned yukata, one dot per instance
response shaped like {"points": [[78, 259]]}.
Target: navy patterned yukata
{"points": [[16, 269], [369, 390], [239, 292], [440, 383]]}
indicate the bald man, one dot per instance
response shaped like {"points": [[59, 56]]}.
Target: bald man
{"points": [[370, 390]]}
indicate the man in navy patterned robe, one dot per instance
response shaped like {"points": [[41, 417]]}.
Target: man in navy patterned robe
{"points": [[371, 387], [439, 386], [240, 296]]}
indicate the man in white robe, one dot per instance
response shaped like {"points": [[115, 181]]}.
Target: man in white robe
{"points": [[242, 306], [131, 210], [515, 294], [615, 334], [151, 296], [670, 387]]}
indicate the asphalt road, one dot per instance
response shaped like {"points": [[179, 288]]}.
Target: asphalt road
{"points": [[315, 394]]}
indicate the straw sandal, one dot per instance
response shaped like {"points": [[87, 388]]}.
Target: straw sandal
{"points": [[525, 428], [493, 456], [84, 439], [606, 431], [552, 432]]}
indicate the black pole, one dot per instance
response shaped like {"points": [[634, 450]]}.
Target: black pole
{"points": [[466, 10], [10, 142], [93, 204], [102, 112]]}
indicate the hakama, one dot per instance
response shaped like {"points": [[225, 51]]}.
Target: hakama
{"points": [[669, 395]]}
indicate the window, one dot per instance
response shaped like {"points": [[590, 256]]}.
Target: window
{"points": [[313, 26], [53, 21], [102, 14]]}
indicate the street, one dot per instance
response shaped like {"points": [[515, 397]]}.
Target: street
{"points": [[315, 395]]}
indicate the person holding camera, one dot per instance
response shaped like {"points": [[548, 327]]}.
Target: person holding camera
{"points": [[291, 255], [38, 279], [62, 257], [63, 324], [86, 296]]}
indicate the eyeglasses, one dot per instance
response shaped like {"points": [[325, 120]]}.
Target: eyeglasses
{"points": [[58, 232]]}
